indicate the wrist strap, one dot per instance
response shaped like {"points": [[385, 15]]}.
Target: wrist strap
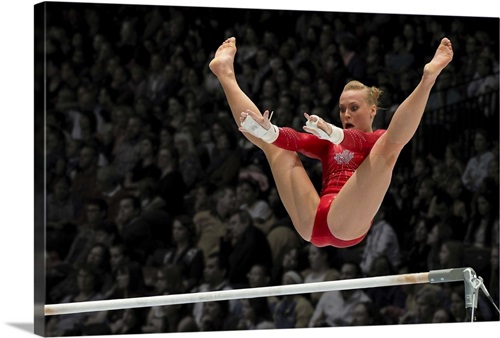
{"points": [[270, 135], [336, 137]]}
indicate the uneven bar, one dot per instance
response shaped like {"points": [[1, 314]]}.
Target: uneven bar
{"points": [[437, 276]]}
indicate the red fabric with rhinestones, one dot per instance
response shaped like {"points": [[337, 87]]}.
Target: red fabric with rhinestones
{"points": [[338, 162]]}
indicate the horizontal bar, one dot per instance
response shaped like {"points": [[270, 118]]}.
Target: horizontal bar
{"points": [[199, 297], [449, 275]]}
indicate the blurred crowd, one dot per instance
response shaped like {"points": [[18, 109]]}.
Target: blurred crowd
{"points": [[152, 190]]}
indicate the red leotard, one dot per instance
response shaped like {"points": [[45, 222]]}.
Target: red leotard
{"points": [[338, 163]]}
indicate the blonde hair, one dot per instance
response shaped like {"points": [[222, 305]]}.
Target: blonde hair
{"points": [[372, 93]]}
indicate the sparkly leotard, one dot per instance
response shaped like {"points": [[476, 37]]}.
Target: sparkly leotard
{"points": [[338, 163]]}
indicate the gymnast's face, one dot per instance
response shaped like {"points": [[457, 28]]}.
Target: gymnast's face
{"points": [[356, 111]]}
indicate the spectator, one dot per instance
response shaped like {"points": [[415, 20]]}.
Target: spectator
{"points": [[189, 161], [87, 283], [86, 118], [128, 282], [374, 57], [417, 249], [325, 94], [263, 68], [442, 315], [457, 307], [292, 311], [398, 60], [428, 301], [105, 106], [282, 238], [193, 92], [134, 230], [84, 185], [206, 147], [183, 253], [353, 61], [142, 108], [255, 315], [120, 115], [175, 115], [259, 276], [335, 308], [447, 93], [127, 153], [484, 80], [248, 51], [111, 189], [476, 168], [458, 208], [170, 190], [439, 233], [214, 276], [211, 224], [72, 154], [412, 44], [482, 230], [159, 319], [118, 255], [224, 167], [137, 81], [292, 260], [243, 246], [159, 81], [120, 87], [201, 195], [422, 201], [490, 182], [390, 300], [421, 170], [365, 313], [440, 210], [60, 208], [319, 268], [255, 172], [96, 257], [216, 317], [451, 254], [146, 166], [453, 160], [95, 214], [469, 58], [248, 196], [129, 322], [381, 240]]}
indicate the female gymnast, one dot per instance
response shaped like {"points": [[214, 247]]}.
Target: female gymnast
{"points": [[357, 162]]}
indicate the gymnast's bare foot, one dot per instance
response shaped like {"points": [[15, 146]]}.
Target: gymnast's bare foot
{"points": [[443, 56], [223, 62]]}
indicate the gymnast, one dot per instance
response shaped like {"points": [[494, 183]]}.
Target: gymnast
{"points": [[357, 162]]}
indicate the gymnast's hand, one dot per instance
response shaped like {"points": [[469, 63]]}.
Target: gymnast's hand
{"points": [[321, 124], [323, 130], [264, 121]]}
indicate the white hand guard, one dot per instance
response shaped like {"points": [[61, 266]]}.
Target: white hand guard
{"points": [[336, 136], [251, 126]]}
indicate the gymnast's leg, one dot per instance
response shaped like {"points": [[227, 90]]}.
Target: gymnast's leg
{"points": [[294, 186], [364, 191]]}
